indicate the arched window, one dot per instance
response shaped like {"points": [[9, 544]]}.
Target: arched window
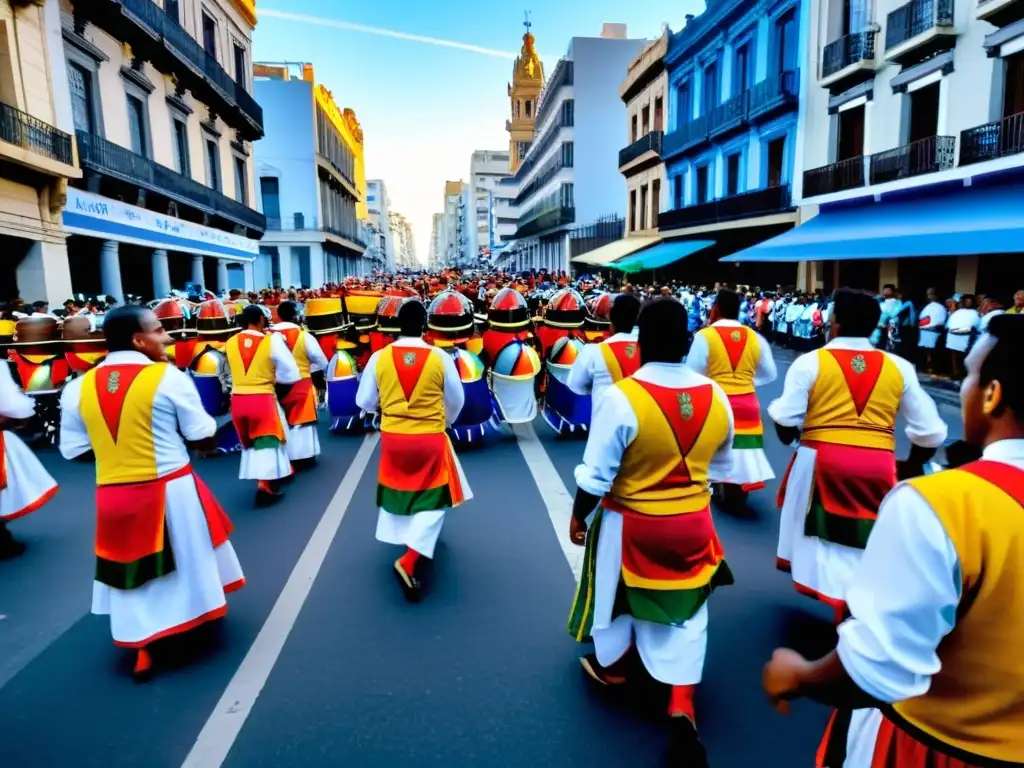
{"points": [[529, 109]]}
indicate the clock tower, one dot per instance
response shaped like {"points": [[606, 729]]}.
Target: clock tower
{"points": [[523, 92]]}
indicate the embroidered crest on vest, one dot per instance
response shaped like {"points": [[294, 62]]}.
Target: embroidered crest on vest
{"points": [[858, 364], [630, 350], [409, 358], [735, 335], [247, 342], [685, 405], [114, 382]]}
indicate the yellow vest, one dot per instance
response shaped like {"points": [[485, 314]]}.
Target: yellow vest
{"points": [[733, 356], [117, 408], [975, 701], [252, 368], [295, 338], [621, 357], [664, 470], [855, 399], [410, 381]]}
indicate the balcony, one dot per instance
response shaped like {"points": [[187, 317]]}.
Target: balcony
{"points": [[114, 161], [935, 153], [553, 211], [30, 142], [746, 205], [918, 30], [848, 61], [728, 116], [836, 177], [641, 153], [155, 36], [778, 93], [997, 139], [1001, 13], [686, 137]]}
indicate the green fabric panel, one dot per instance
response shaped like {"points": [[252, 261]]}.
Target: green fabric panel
{"points": [[581, 617], [848, 531], [747, 442], [671, 607], [267, 441], [134, 575], [411, 502]]}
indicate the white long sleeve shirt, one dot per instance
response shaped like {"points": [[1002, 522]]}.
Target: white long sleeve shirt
{"points": [[924, 425], [368, 395], [766, 371], [317, 358], [286, 370], [589, 374], [14, 404]]}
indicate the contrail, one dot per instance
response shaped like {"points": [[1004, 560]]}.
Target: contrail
{"points": [[339, 24]]}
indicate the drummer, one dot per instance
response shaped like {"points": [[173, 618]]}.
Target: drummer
{"points": [[300, 403], [601, 365]]}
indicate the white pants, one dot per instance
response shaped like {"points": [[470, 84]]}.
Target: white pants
{"points": [[419, 532]]}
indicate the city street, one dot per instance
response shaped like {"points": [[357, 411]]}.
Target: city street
{"points": [[345, 672]]}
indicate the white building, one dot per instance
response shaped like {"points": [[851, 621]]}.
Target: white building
{"points": [[401, 236], [437, 238], [486, 169], [378, 210], [455, 235], [570, 176]]}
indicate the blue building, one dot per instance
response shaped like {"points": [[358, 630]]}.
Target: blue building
{"points": [[734, 84]]}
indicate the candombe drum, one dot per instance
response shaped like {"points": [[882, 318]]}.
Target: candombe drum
{"points": [[563, 317], [508, 319], [37, 352], [565, 411], [478, 418], [597, 325], [449, 320], [84, 345], [174, 315], [324, 320], [387, 329], [513, 374], [360, 307], [342, 383], [210, 372]]}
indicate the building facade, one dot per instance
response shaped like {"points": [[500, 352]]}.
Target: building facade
{"points": [[456, 237], [378, 218], [405, 246], [486, 169], [523, 92], [308, 167], [37, 154], [569, 177], [435, 253]]}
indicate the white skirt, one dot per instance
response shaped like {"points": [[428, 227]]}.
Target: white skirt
{"points": [[29, 485], [928, 339], [303, 442], [671, 655], [748, 466], [266, 463], [194, 592], [958, 342]]}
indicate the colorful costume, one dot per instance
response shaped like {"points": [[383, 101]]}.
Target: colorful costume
{"points": [[739, 361], [84, 345], [565, 410], [419, 393], [174, 316], [42, 368], [597, 326], [25, 485], [163, 559], [508, 320], [845, 397], [603, 364], [652, 554], [300, 403], [935, 624], [513, 382], [209, 369]]}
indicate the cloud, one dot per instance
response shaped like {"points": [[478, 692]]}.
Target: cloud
{"points": [[339, 24]]}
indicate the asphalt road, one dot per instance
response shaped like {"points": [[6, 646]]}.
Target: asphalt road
{"points": [[481, 673]]}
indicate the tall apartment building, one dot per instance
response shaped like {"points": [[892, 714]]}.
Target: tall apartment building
{"points": [[523, 92], [311, 180], [37, 157], [486, 169], [405, 246], [160, 96], [378, 216], [455, 235], [435, 255]]}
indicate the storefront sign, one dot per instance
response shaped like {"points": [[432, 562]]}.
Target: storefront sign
{"points": [[100, 217]]}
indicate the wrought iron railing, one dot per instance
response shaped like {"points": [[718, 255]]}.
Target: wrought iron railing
{"points": [[934, 153], [728, 115], [775, 91], [118, 162], [915, 18], [746, 204], [557, 162], [589, 237], [552, 211], [652, 142], [835, 177], [847, 50], [991, 140], [686, 136], [23, 130]]}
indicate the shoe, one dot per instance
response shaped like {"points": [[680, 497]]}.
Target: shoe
{"points": [[602, 675], [143, 671], [304, 465], [11, 548], [410, 584], [685, 747], [268, 498]]}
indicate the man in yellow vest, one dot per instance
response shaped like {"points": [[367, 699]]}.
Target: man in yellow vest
{"points": [[739, 360], [652, 554], [928, 668], [300, 402], [419, 393], [842, 401], [617, 357], [259, 361], [163, 560]]}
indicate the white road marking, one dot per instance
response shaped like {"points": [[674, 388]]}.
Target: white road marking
{"points": [[225, 723], [555, 495]]}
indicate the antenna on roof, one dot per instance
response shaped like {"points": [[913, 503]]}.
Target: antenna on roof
{"points": [[527, 22]]}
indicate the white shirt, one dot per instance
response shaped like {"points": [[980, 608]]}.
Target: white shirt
{"points": [[14, 404], [905, 594], [177, 412], [317, 358], [286, 370], [614, 426], [793, 312], [589, 373], [936, 314], [697, 359], [368, 395], [987, 318], [963, 320], [924, 426]]}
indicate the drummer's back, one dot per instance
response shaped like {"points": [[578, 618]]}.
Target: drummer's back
{"points": [[410, 380]]}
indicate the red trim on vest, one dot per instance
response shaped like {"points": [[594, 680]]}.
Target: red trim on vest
{"points": [[733, 347], [409, 369], [861, 383], [1008, 478], [112, 385]]}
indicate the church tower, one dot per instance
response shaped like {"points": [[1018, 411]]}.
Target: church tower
{"points": [[527, 82]]}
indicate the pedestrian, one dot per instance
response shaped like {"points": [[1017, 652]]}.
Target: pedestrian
{"points": [[927, 670], [961, 327], [931, 329], [841, 401], [163, 560], [652, 554]]}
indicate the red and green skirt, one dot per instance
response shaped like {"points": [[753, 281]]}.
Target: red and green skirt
{"points": [[418, 473], [257, 419], [748, 430]]}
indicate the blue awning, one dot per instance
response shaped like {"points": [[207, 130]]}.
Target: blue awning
{"points": [[660, 255], [947, 221]]}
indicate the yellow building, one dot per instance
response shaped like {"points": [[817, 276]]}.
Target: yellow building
{"points": [[526, 85]]}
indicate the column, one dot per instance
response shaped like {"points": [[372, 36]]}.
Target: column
{"points": [[198, 275], [110, 271], [222, 276], [44, 274], [967, 274], [250, 277], [161, 275]]}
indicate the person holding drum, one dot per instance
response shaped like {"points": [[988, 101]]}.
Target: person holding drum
{"points": [[301, 401]]}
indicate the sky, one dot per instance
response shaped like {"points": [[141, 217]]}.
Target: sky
{"points": [[427, 79]]}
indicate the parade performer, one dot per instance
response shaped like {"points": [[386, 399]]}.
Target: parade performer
{"points": [[300, 403], [845, 398], [617, 357], [597, 326], [25, 485], [419, 393], [739, 360], [163, 559], [652, 554], [210, 370], [260, 361], [926, 672], [508, 319]]}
